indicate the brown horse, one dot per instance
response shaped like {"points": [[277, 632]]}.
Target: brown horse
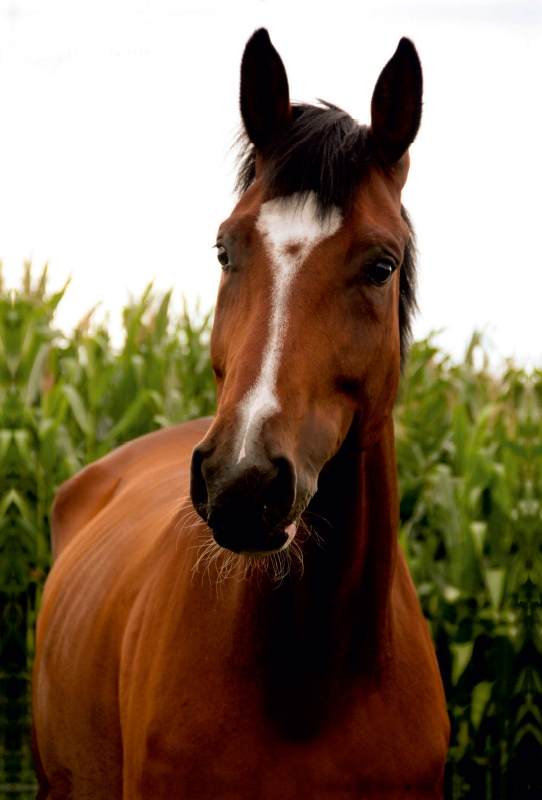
{"points": [[279, 651]]}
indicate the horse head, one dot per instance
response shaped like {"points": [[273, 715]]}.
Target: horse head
{"points": [[312, 316]]}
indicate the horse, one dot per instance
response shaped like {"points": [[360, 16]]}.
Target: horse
{"points": [[260, 636]]}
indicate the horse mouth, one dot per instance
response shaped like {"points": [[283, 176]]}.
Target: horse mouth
{"points": [[276, 541], [290, 532]]}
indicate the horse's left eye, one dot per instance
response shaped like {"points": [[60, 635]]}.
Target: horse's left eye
{"points": [[380, 272], [223, 257]]}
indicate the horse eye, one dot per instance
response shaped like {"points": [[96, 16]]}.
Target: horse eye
{"points": [[380, 272], [223, 257]]}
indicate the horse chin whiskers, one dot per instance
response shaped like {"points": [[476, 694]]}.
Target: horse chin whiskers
{"points": [[218, 564]]}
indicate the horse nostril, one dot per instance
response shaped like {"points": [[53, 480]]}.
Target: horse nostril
{"points": [[198, 486], [279, 494], [268, 515]]}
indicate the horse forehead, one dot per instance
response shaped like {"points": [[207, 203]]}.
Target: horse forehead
{"points": [[295, 221]]}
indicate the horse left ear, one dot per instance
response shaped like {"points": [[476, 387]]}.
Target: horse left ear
{"points": [[265, 97], [396, 107]]}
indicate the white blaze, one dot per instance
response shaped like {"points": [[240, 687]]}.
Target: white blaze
{"points": [[290, 228]]}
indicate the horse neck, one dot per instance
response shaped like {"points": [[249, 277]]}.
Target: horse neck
{"points": [[356, 513], [336, 613], [313, 636]]}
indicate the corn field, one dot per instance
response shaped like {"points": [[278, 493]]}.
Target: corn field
{"points": [[469, 450]]}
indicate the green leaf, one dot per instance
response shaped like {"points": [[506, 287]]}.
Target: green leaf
{"points": [[494, 579], [461, 655], [145, 399], [77, 406], [36, 373], [478, 530], [480, 698]]}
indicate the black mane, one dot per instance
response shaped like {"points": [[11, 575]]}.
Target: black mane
{"points": [[327, 152]]}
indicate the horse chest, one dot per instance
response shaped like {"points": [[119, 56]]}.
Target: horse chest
{"points": [[213, 722], [210, 748]]}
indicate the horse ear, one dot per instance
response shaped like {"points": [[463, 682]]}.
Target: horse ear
{"points": [[265, 98], [396, 107]]}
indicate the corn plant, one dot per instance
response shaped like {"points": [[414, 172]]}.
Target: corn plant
{"points": [[469, 456]]}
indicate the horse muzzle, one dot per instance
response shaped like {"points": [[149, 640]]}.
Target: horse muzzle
{"points": [[250, 506]]}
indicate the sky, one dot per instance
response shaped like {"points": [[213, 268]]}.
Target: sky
{"points": [[117, 121]]}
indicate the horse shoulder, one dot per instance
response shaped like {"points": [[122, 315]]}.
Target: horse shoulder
{"points": [[418, 660], [81, 498]]}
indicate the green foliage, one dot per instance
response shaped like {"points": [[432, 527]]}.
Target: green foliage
{"points": [[469, 458], [469, 449]]}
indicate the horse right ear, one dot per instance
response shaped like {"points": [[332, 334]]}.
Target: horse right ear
{"points": [[396, 107], [265, 97]]}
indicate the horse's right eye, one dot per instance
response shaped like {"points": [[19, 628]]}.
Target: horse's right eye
{"points": [[223, 257]]}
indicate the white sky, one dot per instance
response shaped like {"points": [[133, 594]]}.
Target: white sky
{"points": [[116, 119]]}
